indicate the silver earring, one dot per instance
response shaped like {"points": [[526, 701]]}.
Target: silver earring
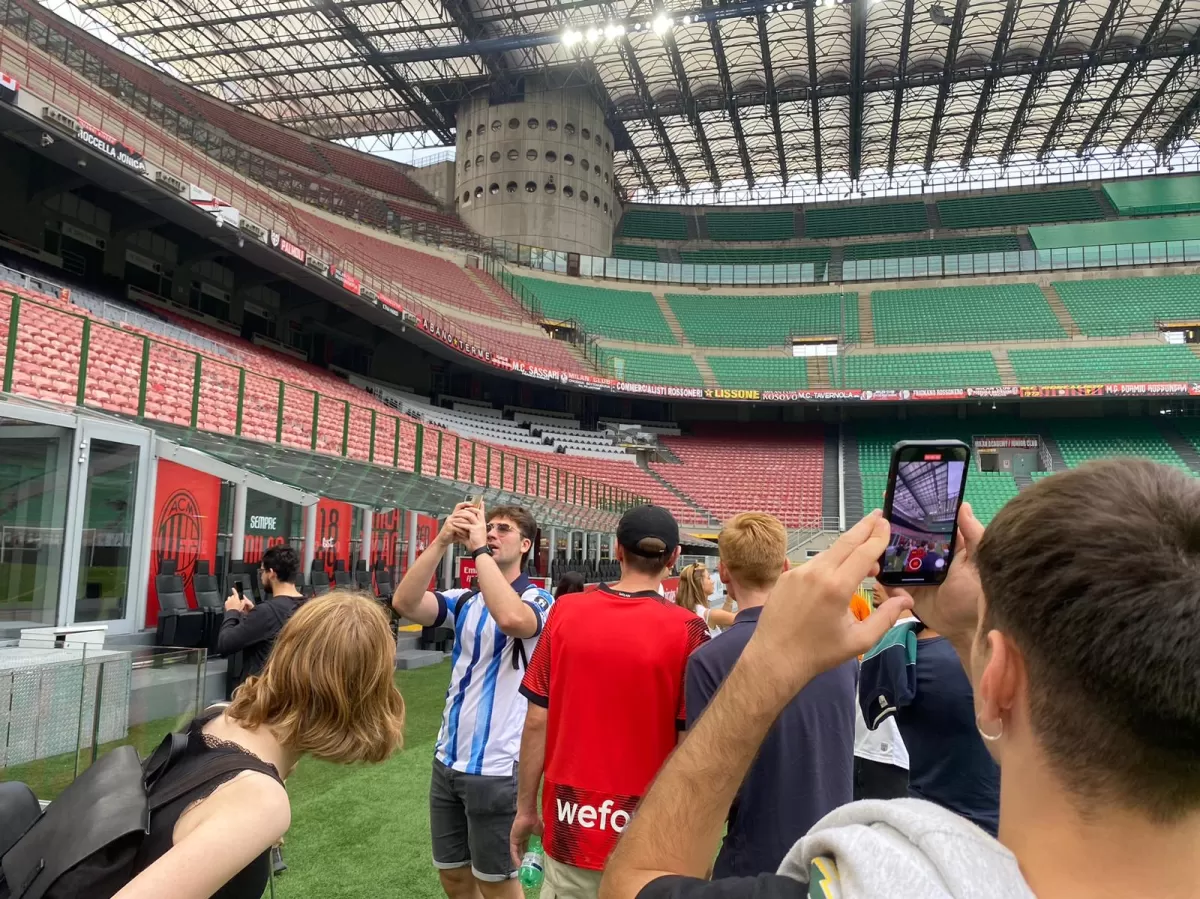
{"points": [[991, 738]]}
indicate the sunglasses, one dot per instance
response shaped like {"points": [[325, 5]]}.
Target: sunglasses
{"points": [[500, 527]]}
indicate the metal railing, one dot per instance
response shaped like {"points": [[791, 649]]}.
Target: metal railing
{"points": [[170, 382]]}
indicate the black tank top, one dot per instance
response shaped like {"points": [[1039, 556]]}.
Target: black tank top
{"points": [[251, 881]]}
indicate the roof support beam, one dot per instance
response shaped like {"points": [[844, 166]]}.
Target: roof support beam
{"points": [[714, 35], [629, 56], [1181, 74], [858, 65], [1114, 14], [1164, 17], [935, 127], [1185, 124], [689, 105], [1039, 75], [764, 50], [503, 80], [989, 82], [814, 100], [901, 75]]}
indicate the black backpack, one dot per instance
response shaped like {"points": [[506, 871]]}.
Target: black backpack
{"points": [[87, 841]]}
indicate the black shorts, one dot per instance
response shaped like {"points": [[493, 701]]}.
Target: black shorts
{"points": [[879, 780], [470, 819]]}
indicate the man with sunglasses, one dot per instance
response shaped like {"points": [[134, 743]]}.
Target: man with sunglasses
{"points": [[472, 796]]}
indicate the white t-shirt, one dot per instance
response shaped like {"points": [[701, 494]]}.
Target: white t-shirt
{"points": [[884, 744]]}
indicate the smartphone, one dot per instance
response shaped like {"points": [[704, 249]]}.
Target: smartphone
{"points": [[477, 500], [926, 482], [237, 588]]}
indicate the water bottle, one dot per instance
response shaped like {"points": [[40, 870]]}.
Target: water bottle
{"points": [[531, 865]]}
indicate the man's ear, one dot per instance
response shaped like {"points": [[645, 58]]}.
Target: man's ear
{"points": [[787, 564], [723, 572], [675, 557]]}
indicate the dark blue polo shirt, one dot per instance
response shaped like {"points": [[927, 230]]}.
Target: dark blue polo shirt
{"points": [[805, 768]]}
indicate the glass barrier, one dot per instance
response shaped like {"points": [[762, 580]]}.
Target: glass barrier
{"points": [[64, 704]]}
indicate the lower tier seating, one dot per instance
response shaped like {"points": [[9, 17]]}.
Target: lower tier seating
{"points": [[649, 368], [1081, 441], [1102, 364], [770, 373], [764, 321], [876, 370]]}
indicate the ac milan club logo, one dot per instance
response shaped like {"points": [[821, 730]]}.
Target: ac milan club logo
{"points": [[179, 534]]}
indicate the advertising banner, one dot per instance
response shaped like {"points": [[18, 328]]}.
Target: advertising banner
{"points": [[466, 571], [114, 149], [270, 521], [334, 521], [427, 529], [1007, 443], [187, 503], [346, 280], [286, 247], [217, 208], [385, 539]]}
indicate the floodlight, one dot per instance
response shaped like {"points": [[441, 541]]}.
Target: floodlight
{"points": [[570, 37], [593, 35], [662, 24], [613, 31]]}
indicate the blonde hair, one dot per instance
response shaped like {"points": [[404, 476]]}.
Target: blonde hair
{"points": [[690, 593], [328, 689], [754, 548]]}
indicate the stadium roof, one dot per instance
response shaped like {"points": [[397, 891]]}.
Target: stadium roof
{"points": [[701, 92]]}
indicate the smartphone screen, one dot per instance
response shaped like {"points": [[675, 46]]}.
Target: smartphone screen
{"points": [[237, 588], [925, 488]]}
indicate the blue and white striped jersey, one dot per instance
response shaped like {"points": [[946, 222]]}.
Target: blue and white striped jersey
{"points": [[485, 713]]}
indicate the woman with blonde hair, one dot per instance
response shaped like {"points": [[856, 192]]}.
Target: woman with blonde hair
{"points": [[695, 587], [328, 692]]}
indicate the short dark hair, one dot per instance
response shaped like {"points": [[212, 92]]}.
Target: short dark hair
{"points": [[569, 582], [284, 561], [1095, 575], [647, 565], [524, 521]]}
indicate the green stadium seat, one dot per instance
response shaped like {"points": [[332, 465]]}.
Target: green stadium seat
{"points": [[952, 314], [990, 211], [1092, 365], [1155, 196], [622, 314], [875, 218], [779, 225], [650, 368], [880, 370], [654, 224], [635, 251], [762, 321], [1121, 306], [1082, 441], [900, 249], [818, 256], [768, 373]]}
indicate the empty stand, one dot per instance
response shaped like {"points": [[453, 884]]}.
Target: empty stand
{"points": [[757, 225], [1122, 306], [769, 372], [1081, 441], [763, 468], [1155, 196], [635, 252], [648, 368], [761, 321], [878, 370], [900, 249], [877, 218], [655, 224], [949, 314], [631, 314], [818, 256], [1102, 364], [992, 210]]}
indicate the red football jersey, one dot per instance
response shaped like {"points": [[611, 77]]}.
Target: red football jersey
{"points": [[609, 668]]}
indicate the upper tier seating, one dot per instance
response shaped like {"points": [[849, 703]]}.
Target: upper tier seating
{"points": [[1083, 440], [655, 224], [1091, 365], [1155, 196], [759, 321], [818, 256], [636, 252], [876, 370], [768, 468], [1121, 306], [649, 368], [632, 477], [768, 373], [874, 218], [758, 225], [969, 314], [993, 210], [382, 175], [1190, 429], [628, 314], [900, 249]]}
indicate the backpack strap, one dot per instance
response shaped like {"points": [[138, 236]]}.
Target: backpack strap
{"points": [[213, 769], [518, 654]]}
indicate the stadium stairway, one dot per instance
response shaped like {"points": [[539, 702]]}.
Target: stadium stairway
{"points": [[683, 497], [1023, 481], [1110, 211], [1182, 446], [829, 485], [852, 475], [706, 373], [866, 319], [1060, 311], [672, 321], [1056, 456], [818, 372], [1008, 377]]}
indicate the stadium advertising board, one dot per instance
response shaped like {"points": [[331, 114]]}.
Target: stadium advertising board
{"points": [[217, 208], [187, 504], [345, 279], [334, 521], [8, 88], [1007, 443], [286, 247], [114, 149]]}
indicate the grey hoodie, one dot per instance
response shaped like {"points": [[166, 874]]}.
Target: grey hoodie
{"points": [[904, 849]]}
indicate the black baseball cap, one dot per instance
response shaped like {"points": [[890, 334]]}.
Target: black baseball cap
{"points": [[648, 523]]}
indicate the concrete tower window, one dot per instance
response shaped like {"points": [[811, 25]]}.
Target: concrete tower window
{"points": [[495, 157], [496, 125], [466, 197], [606, 148], [467, 135], [478, 192], [551, 125], [596, 170], [511, 187], [595, 201], [569, 159], [530, 187], [550, 188], [514, 123], [569, 130], [606, 177], [597, 140], [585, 134], [531, 155], [551, 156], [513, 154], [583, 195], [568, 191], [467, 166], [479, 131], [583, 163], [606, 208], [532, 124], [494, 189], [479, 160]]}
